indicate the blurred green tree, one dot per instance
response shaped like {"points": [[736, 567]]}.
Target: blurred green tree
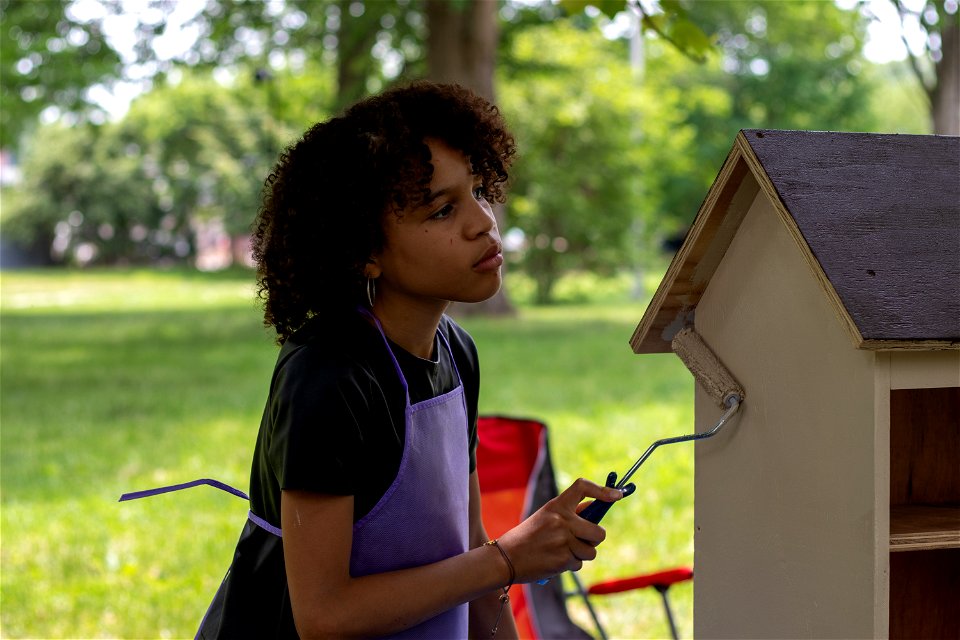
{"points": [[141, 189], [781, 65], [790, 65], [895, 102], [204, 144], [936, 66], [610, 165], [613, 165], [576, 186], [669, 20], [369, 44], [48, 57], [85, 197]]}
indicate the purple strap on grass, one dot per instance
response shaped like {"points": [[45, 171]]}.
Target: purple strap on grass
{"points": [[185, 485]]}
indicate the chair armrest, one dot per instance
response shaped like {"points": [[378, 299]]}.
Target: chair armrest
{"points": [[657, 579]]}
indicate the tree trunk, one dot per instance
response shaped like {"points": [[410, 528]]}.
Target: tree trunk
{"points": [[945, 97], [544, 269], [462, 43], [353, 54], [461, 48]]}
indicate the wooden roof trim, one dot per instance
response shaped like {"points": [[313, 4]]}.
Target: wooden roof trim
{"points": [[766, 185], [679, 292], [910, 345], [674, 303]]}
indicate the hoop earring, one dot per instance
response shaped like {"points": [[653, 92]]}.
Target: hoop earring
{"points": [[371, 291]]}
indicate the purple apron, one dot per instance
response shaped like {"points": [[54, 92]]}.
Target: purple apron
{"points": [[424, 516]]}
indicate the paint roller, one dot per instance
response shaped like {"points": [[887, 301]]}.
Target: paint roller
{"points": [[713, 377]]}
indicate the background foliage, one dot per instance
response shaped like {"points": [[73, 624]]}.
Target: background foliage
{"points": [[126, 378], [572, 98], [619, 135]]}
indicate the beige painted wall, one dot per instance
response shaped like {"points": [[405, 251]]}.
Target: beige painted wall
{"points": [[786, 536], [924, 369]]}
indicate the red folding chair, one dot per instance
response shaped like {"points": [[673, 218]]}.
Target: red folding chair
{"points": [[516, 478]]}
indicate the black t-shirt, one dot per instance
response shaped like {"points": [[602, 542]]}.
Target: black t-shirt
{"points": [[334, 420], [333, 424]]}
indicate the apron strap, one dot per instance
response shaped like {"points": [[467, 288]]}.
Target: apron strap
{"points": [[254, 518], [263, 524], [136, 495]]}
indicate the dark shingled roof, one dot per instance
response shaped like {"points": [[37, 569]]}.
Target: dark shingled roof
{"points": [[879, 213]]}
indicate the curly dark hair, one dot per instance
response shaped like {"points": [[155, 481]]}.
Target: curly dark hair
{"points": [[325, 200]]}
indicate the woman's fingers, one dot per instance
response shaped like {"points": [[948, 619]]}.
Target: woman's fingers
{"points": [[583, 551], [587, 531], [583, 536], [556, 539], [582, 488], [574, 496]]}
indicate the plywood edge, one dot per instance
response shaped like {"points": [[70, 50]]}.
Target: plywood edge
{"points": [[768, 188], [922, 527], [675, 300], [910, 345]]}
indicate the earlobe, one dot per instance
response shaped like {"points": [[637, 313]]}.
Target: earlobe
{"points": [[372, 269]]}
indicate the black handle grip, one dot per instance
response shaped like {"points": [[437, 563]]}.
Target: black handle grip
{"points": [[595, 511]]}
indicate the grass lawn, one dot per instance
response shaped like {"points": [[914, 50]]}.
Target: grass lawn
{"points": [[112, 381]]}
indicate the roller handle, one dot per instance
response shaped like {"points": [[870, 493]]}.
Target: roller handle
{"points": [[595, 511]]}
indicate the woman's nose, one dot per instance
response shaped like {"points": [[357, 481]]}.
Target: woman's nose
{"points": [[482, 219]]}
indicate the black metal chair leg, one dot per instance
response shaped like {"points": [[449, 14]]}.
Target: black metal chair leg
{"points": [[666, 605], [579, 590]]}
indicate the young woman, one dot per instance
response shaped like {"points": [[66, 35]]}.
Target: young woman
{"points": [[364, 501]]}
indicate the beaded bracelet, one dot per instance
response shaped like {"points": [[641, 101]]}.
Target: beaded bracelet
{"points": [[505, 596]]}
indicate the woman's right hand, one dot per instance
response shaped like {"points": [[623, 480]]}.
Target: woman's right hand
{"points": [[555, 539]]}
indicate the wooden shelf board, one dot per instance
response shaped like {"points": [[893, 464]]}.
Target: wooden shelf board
{"points": [[919, 527]]}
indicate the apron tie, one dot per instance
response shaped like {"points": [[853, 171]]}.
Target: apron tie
{"points": [[254, 518]]}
